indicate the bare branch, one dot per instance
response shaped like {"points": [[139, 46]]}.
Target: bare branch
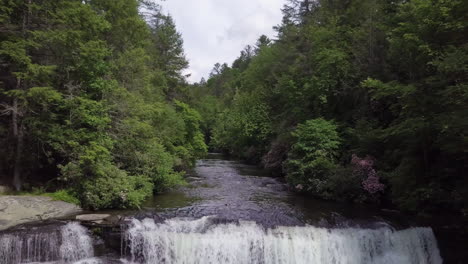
{"points": [[7, 109]]}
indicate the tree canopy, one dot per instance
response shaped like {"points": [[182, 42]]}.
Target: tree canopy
{"points": [[362, 101], [89, 100], [384, 82]]}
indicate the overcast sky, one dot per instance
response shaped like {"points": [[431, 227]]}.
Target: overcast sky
{"points": [[217, 30]]}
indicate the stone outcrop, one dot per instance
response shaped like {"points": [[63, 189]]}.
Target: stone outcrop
{"points": [[99, 219], [15, 210]]}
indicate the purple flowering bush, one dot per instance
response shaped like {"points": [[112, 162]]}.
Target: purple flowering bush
{"points": [[364, 168]]}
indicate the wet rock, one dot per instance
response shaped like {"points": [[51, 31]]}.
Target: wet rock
{"points": [[152, 215], [112, 238], [92, 217], [16, 210], [108, 227], [114, 219], [101, 220]]}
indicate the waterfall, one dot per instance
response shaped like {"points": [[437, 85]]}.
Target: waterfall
{"points": [[203, 241], [68, 244], [76, 243]]}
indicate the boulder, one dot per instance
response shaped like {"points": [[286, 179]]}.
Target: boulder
{"points": [[99, 220], [15, 210]]}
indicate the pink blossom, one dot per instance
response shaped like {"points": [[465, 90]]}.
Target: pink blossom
{"points": [[364, 167]]}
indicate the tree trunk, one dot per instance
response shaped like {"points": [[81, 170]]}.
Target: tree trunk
{"points": [[18, 133], [18, 128], [14, 116], [17, 183]]}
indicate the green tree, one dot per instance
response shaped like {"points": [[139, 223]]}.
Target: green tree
{"points": [[312, 159], [84, 88], [392, 74]]}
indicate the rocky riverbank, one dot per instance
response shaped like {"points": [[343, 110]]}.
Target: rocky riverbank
{"points": [[15, 210]]}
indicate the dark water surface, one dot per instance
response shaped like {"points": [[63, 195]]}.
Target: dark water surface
{"points": [[233, 213], [232, 191]]}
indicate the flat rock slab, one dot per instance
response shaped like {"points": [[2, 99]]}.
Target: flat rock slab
{"points": [[15, 210], [103, 220], [92, 217]]}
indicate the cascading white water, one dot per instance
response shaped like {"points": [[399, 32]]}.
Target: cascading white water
{"points": [[69, 244], [200, 241], [76, 243]]}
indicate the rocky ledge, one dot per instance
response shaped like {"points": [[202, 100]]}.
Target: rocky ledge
{"points": [[15, 210]]}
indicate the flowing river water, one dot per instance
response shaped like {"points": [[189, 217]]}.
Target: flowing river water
{"points": [[231, 213]]}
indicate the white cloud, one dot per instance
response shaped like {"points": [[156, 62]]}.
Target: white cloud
{"points": [[217, 30]]}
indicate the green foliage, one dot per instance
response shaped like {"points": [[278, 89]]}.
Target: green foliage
{"points": [[111, 187], [64, 195], [393, 74], [316, 138], [312, 159], [193, 142], [345, 185], [86, 102], [245, 128], [92, 95]]}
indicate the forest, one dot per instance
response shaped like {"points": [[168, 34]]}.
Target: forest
{"points": [[357, 101], [91, 101], [353, 101]]}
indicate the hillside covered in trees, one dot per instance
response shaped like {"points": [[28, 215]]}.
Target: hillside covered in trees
{"points": [[362, 101], [90, 101]]}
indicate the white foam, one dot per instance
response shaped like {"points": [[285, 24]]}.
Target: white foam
{"points": [[76, 243], [185, 241], [69, 244]]}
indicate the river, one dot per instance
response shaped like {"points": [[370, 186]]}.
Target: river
{"points": [[232, 213]]}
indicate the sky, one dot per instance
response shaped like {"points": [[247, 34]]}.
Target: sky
{"points": [[217, 30]]}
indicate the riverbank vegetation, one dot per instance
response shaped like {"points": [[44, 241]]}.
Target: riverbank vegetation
{"points": [[91, 100], [360, 101]]}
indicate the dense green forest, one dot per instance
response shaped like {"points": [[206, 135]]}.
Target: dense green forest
{"points": [[90, 100], [363, 101]]}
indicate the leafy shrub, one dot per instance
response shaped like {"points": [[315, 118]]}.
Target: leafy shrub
{"points": [[113, 188], [244, 129], [194, 141], [100, 184], [164, 182], [64, 195], [158, 165], [311, 161], [346, 186]]}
